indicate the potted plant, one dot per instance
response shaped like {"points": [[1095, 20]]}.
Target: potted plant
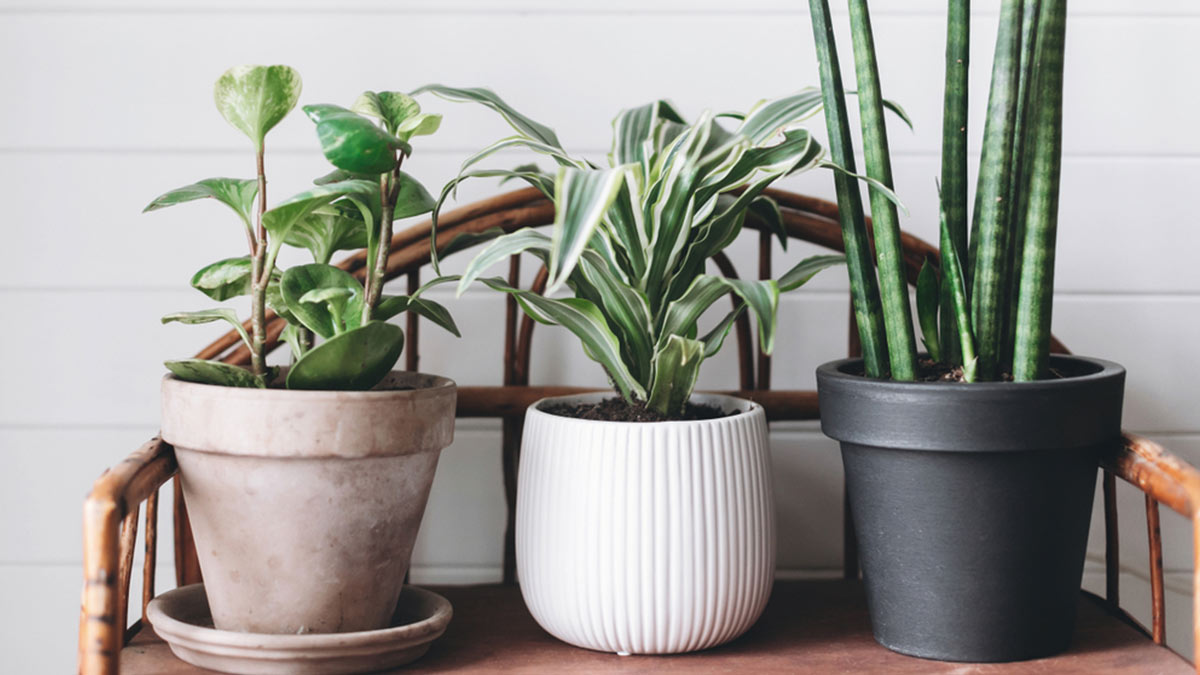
{"points": [[306, 485], [970, 472], [645, 520]]}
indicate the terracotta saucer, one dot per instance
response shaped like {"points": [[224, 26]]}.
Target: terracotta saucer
{"points": [[181, 617]]}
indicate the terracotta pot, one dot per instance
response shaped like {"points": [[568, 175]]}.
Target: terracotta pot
{"points": [[971, 503], [646, 538], [305, 504]]}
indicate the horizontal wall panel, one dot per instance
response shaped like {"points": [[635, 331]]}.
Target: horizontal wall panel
{"points": [[1108, 218], [146, 79]]}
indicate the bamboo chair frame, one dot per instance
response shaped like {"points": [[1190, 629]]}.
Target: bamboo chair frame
{"points": [[111, 511]]}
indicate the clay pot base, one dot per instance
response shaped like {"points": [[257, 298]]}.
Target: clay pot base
{"points": [[181, 617]]}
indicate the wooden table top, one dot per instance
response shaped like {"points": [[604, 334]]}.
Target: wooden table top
{"points": [[808, 627]]}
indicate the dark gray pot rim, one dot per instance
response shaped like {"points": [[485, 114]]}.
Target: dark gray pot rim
{"points": [[1070, 412]]}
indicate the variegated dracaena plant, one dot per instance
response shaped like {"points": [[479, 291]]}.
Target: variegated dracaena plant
{"points": [[350, 208], [631, 241]]}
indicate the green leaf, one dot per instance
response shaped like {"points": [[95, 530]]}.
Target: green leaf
{"points": [[353, 143], [353, 361], [501, 249], [761, 297], [391, 107], [715, 338], [319, 316], [329, 228], [435, 312], [806, 269], [339, 175], [214, 372], [280, 220], [422, 124], [676, 366], [768, 118], [767, 210], [585, 320], [208, 316], [236, 193], [928, 295], [225, 279], [413, 199], [893, 107], [952, 273], [581, 200], [256, 98], [489, 98]]}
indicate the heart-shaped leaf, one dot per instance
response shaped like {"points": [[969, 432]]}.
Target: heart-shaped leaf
{"points": [[352, 142], [316, 316], [214, 372], [413, 199], [208, 316], [392, 107], [255, 98], [236, 193], [353, 361]]}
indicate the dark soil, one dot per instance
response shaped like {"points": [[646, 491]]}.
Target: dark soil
{"points": [[929, 370], [616, 409]]}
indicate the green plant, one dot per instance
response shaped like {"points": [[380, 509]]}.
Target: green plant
{"points": [[1010, 247], [631, 241], [352, 207]]}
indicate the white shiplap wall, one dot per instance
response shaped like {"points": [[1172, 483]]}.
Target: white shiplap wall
{"points": [[107, 103]]}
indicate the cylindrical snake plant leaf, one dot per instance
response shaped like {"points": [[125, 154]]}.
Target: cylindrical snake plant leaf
{"points": [[954, 153], [893, 286], [928, 290], [1032, 347], [959, 309], [868, 311], [989, 279]]}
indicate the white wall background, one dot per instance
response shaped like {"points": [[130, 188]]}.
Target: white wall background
{"points": [[108, 103]]}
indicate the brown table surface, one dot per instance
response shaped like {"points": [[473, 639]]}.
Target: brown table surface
{"points": [[808, 627]]}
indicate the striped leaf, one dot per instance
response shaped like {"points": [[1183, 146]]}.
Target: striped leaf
{"points": [[489, 98], [676, 366], [715, 338], [954, 150], [768, 118], [236, 193], [208, 316], [760, 297], [807, 269], [535, 178], [501, 249], [952, 276], [581, 200], [585, 320]]}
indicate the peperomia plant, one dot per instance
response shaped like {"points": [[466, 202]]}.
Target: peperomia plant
{"points": [[631, 241], [997, 264], [352, 207]]}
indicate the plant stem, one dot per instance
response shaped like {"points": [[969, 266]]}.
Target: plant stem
{"points": [[893, 286], [1032, 347], [868, 311], [261, 277], [954, 156], [988, 294], [389, 189]]}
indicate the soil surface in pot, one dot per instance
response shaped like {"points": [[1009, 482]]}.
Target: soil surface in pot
{"points": [[616, 409]]}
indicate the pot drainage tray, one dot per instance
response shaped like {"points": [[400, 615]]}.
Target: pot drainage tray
{"points": [[181, 617]]}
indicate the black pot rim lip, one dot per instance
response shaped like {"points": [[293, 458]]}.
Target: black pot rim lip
{"points": [[832, 372]]}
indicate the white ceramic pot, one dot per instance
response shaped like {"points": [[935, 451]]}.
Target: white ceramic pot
{"points": [[646, 538], [305, 504]]}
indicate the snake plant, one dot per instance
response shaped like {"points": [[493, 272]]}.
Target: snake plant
{"points": [[631, 239], [352, 207], [994, 285]]}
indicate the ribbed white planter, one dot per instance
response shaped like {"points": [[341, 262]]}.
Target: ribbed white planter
{"points": [[646, 538]]}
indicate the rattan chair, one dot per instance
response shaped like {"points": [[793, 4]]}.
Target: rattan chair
{"points": [[491, 631]]}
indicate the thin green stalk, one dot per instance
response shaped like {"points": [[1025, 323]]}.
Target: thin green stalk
{"points": [[959, 308], [260, 278], [989, 289], [893, 286], [1032, 348], [1018, 191], [389, 189], [954, 155], [868, 310]]}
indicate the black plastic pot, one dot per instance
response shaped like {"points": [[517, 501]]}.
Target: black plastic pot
{"points": [[971, 503]]}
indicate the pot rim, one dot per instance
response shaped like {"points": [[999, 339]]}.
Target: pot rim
{"points": [[744, 407], [424, 384], [834, 371]]}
